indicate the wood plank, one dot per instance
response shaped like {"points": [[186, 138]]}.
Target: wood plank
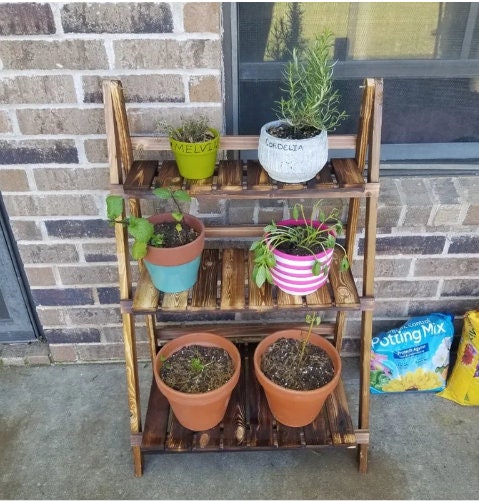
{"points": [[258, 297], [175, 300], [289, 437], [154, 434], [230, 175], [198, 186], [257, 177], [204, 295], [141, 175], [179, 438], [208, 440], [342, 430], [321, 297], [288, 300], [233, 279], [347, 173], [243, 142], [342, 282], [234, 422], [169, 175], [260, 434], [324, 178], [146, 294], [318, 432]]}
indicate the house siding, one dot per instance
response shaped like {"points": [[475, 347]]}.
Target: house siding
{"points": [[54, 172]]}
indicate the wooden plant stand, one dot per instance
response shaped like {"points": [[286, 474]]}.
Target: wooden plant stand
{"points": [[226, 301]]}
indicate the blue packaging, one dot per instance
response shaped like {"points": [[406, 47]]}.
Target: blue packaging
{"points": [[414, 357]]}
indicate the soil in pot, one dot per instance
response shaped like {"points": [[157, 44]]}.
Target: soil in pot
{"points": [[173, 237], [292, 249], [285, 131], [197, 369], [283, 364]]}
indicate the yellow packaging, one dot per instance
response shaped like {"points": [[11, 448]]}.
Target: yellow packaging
{"points": [[463, 384]]}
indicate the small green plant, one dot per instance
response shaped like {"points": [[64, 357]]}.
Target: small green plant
{"points": [[193, 130], [310, 101], [310, 320], [140, 228], [309, 237]]}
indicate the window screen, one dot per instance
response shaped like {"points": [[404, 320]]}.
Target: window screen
{"points": [[427, 53]]}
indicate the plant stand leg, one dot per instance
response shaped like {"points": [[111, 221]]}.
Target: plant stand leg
{"points": [[132, 387]]}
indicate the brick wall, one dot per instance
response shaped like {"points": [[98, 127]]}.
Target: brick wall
{"points": [[53, 163], [54, 176]]}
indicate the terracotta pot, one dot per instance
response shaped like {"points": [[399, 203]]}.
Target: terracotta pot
{"points": [[198, 411], [196, 160], [293, 274], [175, 269], [292, 160], [292, 407]]}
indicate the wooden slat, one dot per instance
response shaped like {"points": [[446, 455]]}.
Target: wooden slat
{"points": [[342, 282], [234, 422], [257, 177], [324, 178], [260, 433], [258, 298], [347, 173], [321, 297], [342, 430], [230, 175], [318, 432], [289, 437], [146, 294], [150, 143], [198, 186], [179, 438], [233, 279], [141, 175], [285, 299], [204, 295], [175, 301], [154, 434], [208, 440], [169, 175]]}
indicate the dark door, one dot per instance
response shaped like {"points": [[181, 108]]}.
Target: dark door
{"points": [[17, 319]]}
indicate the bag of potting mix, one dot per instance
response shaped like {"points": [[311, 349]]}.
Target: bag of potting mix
{"points": [[463, 384], [413, 357]]}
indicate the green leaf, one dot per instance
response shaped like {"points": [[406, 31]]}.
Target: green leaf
{"points": [[344, 265], [138, 250], [260, 276], [181, 196], [295, 212], [177, 216], [317, 267], [157, 240], [162, 193], [140, 229], [114, 206]]}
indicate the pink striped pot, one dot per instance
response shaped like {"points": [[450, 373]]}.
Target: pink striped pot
{"points": [[292, 274]]}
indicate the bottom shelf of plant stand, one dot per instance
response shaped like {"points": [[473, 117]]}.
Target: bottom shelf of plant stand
{"points": [[248, 424]]}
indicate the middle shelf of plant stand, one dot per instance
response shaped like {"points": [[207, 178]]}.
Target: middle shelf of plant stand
{"points": [[224, 284]]}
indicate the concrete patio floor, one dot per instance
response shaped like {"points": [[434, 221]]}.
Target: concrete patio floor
{"points": [[64, 434]]}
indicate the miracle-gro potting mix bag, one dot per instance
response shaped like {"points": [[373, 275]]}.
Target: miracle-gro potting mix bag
{"points": [[414, 357]]}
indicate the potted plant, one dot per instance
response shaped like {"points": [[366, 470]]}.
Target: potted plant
{"points": [[194, 145], [294, 148], [170, 244], [197, 373], [295, 254], [297, 372]]}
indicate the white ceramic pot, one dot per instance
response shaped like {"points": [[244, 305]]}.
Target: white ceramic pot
{"points": [[292, 160]]}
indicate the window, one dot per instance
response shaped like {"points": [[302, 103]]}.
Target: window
{"points": [[427, 53]]}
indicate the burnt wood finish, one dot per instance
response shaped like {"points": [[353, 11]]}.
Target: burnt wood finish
{"points": [[248, 422], [226, 301]]}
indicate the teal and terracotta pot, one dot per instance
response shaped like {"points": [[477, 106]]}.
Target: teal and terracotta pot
{"points": [[196, 160], [175, 269]]}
